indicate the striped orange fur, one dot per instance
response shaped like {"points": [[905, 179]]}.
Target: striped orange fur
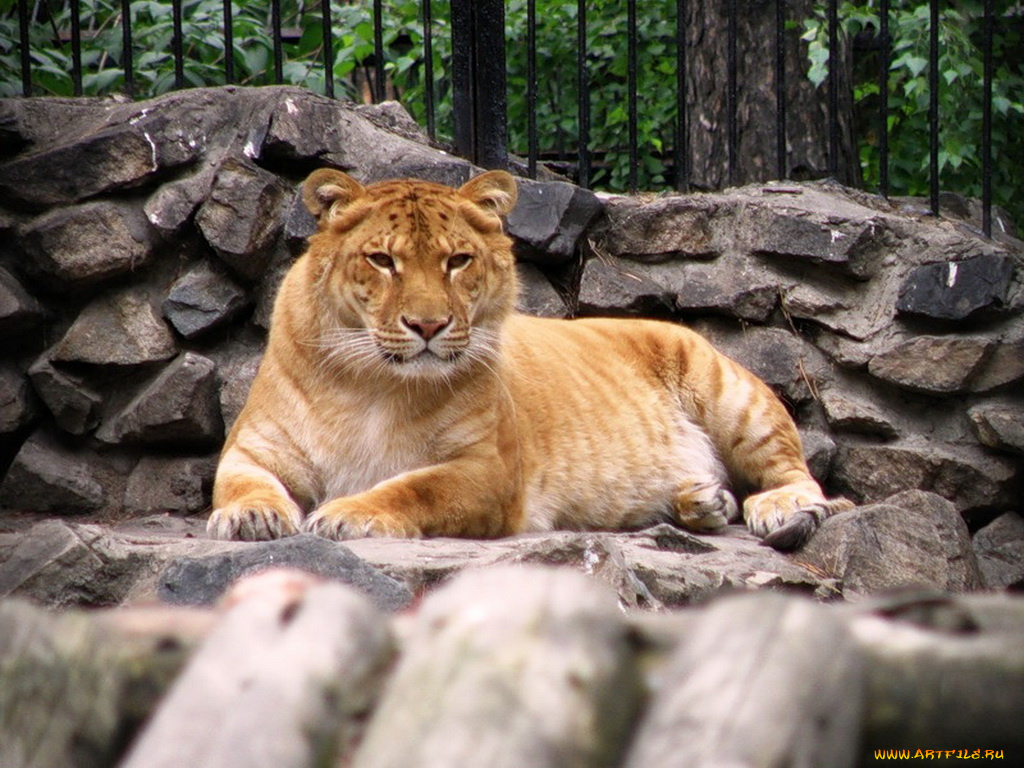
{"points": [[402, 395]]}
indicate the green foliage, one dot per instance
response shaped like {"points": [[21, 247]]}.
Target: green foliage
{"points": [[960, 97], [557, 98]]}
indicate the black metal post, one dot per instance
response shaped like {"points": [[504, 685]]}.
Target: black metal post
{"points": [[275, 24], [178, 45], [986, 123], [933, 106], [780, 89], [127, 62], [229, 43], [328, 37], [428, 67], [631, 88], [76, 49], [583, 87], [478, 81], [833, 88], [885, 51], [731, 96], [378, 90], [531, 89], [682, 143]]}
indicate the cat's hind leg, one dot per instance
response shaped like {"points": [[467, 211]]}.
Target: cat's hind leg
{"points": [[704, 504]]}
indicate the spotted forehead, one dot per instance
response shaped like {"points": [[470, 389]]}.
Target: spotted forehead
{"points": [[421, 212]]}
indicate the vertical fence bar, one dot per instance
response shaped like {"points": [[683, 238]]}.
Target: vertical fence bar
{"points": [[379, 92], [428, 68], [833, 88], [127, 61], [328, 37], [885, 59], [275, 25], [178, 45], [583, 85], [780, 89], [986, 121], [491, 84], [682, 143], [23, 48], [229, 43], [531, 89], [933, 106], [631, 88], [478, 81], [732, 116], [76, 48], [462, 77]]}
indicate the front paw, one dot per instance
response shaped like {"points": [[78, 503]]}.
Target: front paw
{"points": [[344, 519], [253, 521], [786, 517]]}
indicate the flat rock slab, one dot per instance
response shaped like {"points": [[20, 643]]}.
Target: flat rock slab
{"points": [[59, 563]]}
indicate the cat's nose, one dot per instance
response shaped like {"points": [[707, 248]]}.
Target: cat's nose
{"points": [[425, 329]]}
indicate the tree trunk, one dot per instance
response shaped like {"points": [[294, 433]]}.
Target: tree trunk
{"points": [[707, 98]]}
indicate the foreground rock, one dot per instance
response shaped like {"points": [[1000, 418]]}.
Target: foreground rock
{"points": [[524, 665]]}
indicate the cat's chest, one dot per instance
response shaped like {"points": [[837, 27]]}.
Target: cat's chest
{"points": [[361, 444]]}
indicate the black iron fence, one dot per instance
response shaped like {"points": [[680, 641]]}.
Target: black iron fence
{"points": [[450, 62]]}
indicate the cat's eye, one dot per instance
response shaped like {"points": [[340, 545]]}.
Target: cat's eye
{"points": [[381, 261], [458, 261]]}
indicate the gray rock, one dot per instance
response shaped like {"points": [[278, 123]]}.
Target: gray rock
{"points": [[854, 247], [910, 539], [46, 477], [932, 363], [536, 294], [999, 425], [203, 299], [201, 580], [736, 290], [999, 547], [17, 410], [242, 216], [957, 290], [80, 246], [237, 367], [973, 480], [179, 407], [20, 313], [787, 363], [179, 486], [74, 404], [613, 286], [171, 206], [657, 230], [117, 329], [111, 159], [1005, 362], [549, 219], [848, 412]]}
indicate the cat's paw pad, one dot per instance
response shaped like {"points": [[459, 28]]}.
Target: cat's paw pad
{"points": [[253, 521], [705, 506], [339, 521], [786, 517]]}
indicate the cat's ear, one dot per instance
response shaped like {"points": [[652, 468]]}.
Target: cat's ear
{"points": [[494, 191], [328, 192]]}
